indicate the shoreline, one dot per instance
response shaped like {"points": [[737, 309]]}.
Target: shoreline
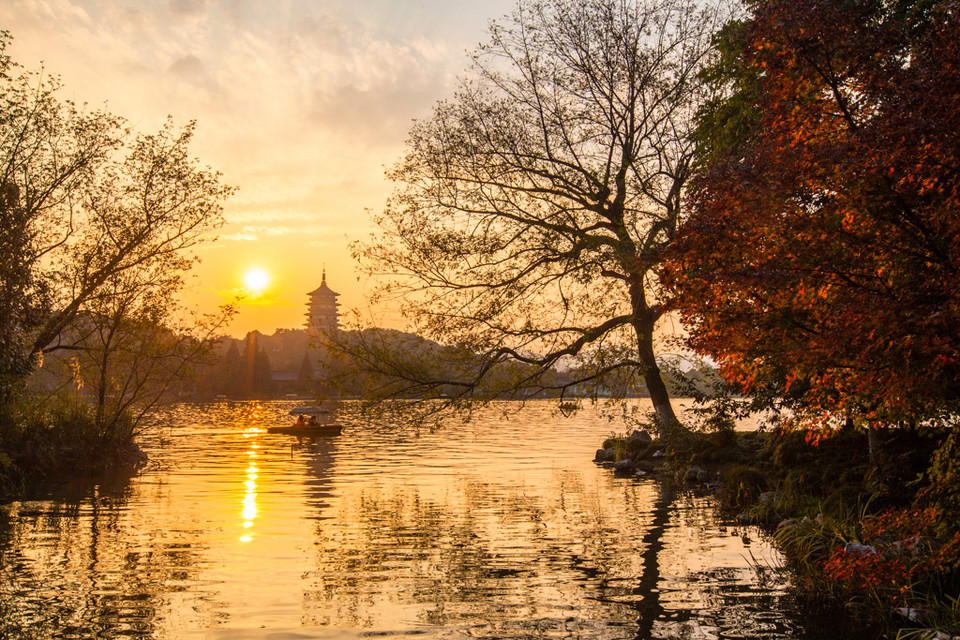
{"points": [[858, 530]]}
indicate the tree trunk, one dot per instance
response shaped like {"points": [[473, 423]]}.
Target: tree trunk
{"points": [[873, 443], [670, 426]]}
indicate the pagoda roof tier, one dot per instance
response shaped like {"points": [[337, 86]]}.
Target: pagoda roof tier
{"points": [[323, 289]]}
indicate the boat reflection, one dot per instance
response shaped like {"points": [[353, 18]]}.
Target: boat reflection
{"points": [[319, 458]]}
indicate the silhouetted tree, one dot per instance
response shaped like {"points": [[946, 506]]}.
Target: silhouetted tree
{"points": [[85, 205], [231, 372], [262, 378], [305, 378], [534, 206]]}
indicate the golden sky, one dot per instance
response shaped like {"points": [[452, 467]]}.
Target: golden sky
{"points": [[301, 104]]}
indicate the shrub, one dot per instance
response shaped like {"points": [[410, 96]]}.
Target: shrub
{"points": [[943, 491], [40, 439], [742, 485]]}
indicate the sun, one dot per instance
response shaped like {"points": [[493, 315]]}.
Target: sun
{"points": [[256, 280]]}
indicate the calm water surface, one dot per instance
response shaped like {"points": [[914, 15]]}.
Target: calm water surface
{"points": [[500, 528]]}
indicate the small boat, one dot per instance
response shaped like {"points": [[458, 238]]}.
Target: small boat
{"points": [[308, 430], [309, 411]]}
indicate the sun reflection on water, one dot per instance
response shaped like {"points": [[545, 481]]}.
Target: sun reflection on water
{"points": [[249, 512], [386, 533]]}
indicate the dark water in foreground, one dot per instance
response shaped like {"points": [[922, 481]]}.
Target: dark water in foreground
{"points": [[494, 529]]}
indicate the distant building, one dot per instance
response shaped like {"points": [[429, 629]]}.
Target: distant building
{"points": [[322, 314]]}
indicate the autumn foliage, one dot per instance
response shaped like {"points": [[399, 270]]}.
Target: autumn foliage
{"points": [[821, 257], [906, 551], [867, 571]]}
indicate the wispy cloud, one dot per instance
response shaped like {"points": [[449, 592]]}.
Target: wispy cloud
{"points": [[239, 237], [300, 103]]}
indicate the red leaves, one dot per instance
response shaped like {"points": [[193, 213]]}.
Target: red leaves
{"points": [[857, 570], [822, 253]]}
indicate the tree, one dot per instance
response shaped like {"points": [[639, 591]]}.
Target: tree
{"points": [[262, 375], [135, 347], [136, 219], [820, 263], [93, 214], [98, 225], [48, 152], [231, 372], [305, 378], [534, 207]]}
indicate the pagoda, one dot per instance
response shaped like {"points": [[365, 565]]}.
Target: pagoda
{"points": [[322, 314]]}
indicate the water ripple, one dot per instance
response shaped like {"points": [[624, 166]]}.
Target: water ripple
{"points": [[493, 529]]}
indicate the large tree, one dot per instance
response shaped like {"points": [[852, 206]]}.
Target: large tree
{"points": [[534, 207], [48, 153], [821, 261], [98, 223]]}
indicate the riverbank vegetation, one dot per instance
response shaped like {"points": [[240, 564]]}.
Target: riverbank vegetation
{"points": [[818, 270], [870, 533], [98, 224]]}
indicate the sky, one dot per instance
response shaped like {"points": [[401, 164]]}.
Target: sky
{"points": [[301, 104]]}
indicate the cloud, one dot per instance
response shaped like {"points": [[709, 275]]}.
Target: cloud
{"points": [[272, 230], [190, 69], [239, 237], [189, 9], [271, 216], [300, 103]]}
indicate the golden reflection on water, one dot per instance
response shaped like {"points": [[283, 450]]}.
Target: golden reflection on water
{"points": [[249, 511], [494, 530]]}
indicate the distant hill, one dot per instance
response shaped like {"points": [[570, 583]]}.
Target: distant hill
{"points": [[382, 362]]}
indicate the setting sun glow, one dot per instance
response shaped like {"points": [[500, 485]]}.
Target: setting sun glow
{"points": [[256, 280]]}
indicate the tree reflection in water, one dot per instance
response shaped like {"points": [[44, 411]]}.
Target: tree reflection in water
{"points": [[448, 534], [486, 559], [97, 574]]}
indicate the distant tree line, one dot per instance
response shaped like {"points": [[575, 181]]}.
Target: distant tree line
{"points": [[295, 362]]}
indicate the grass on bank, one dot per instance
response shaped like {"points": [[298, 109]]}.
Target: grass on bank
{"points": [[46, 439]]}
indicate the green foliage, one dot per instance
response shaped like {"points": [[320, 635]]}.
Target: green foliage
{"points": [[44, 438], [742, 485], [943, 477], [946, 620], [814, 537], [726, 122]]}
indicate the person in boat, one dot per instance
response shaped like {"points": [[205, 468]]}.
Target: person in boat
{"points": [[313, 421], [300, 421]]}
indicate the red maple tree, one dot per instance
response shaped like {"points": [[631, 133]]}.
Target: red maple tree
{"points": [[821, 256]]}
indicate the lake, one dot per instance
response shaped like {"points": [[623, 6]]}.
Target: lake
{"points": [[502, 527]]}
